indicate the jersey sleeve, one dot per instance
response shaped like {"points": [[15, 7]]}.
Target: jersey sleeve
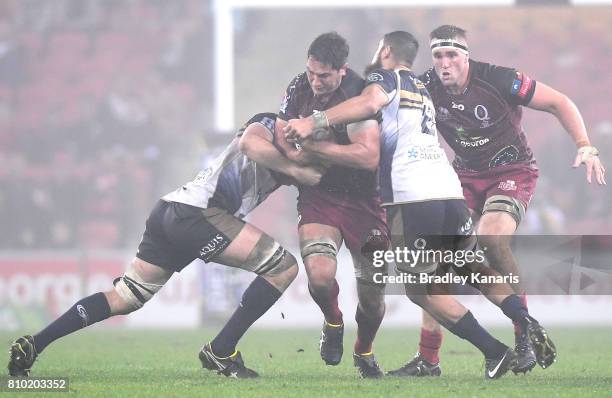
{"points": [[515, 87], [288, 108], [386, 79], [268, 120]]}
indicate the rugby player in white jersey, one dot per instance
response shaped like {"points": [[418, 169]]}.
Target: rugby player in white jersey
{"points": [[201, 219]]}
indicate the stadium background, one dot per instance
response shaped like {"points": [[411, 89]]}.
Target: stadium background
{"points": [[105, 106]]}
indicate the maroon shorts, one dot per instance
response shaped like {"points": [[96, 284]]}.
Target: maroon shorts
{"points": [[357, 218], [515, 180]]}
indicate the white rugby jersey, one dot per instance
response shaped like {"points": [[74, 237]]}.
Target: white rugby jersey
{"points": [[233, 182], [413, 165]]}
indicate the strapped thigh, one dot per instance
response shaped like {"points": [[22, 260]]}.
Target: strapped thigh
{"points": [[507, 204]]}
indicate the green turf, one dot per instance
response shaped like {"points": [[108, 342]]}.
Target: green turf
{"points": [[102, 363]]}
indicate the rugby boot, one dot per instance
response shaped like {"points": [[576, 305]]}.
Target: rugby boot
{"points": [[497, 367], [526, 359], [417, 367], [330, 344], [544, 348], [367, 366], [232, 366], [22, 356]]}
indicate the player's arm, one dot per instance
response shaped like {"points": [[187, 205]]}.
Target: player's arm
{"points": [[552, 101], [257, 144], [370, 101], [362, 153]]}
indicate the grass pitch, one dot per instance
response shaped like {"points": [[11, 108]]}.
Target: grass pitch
{"points": [[103, 363]]}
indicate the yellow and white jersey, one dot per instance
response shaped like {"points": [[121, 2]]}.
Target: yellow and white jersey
{"points": [[413, 165]]}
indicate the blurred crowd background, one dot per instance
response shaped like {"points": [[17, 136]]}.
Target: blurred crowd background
{"points": [[107, 105]]}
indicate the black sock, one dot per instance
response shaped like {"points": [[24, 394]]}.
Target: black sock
{"points": [[469, 329], [256, 300], [513, 308], [84, 313]]}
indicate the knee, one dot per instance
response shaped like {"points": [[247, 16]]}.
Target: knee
{"points": [[281, 268], [320, 274], [131, 291]]}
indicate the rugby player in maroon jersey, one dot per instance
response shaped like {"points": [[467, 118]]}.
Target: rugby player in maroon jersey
{"points": [[345, 206], [423, 197], [478, 112]]}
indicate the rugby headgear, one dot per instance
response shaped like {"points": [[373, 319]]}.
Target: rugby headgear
{"points": [[448, 44]]}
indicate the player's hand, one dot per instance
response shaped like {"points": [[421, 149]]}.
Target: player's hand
{"points": [[589, 155], [301, 157], [299, 128], [307, 175]]}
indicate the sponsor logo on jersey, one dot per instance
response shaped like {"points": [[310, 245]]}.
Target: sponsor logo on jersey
{"points": [[482, 113], [214, 246], [375, 77], [506, 155], [508, 185], [425, 153], [466, 141], [475, 142], [461, 107]]}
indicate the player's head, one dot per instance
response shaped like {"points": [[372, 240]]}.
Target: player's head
{"points": [[395, 48], [326, 64], [449, 52]]}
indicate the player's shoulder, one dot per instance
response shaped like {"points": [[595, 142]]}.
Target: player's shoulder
{"points": [[490, 72], [410, 80], [352, 84], [429, 78], [380, 75], [299, 82]]}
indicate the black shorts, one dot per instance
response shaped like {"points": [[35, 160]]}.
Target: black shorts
{"points": [[176, 234], [429, 225]]}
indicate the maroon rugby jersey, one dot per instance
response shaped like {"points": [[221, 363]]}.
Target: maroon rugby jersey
{"points": [[483, 124], [299, 101]]}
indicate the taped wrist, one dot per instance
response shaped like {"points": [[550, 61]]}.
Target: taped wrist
{"points": [[320, 120], [586, 152]]}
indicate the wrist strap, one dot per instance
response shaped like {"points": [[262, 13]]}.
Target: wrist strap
{"points": [[587, 151], [320, 120]]}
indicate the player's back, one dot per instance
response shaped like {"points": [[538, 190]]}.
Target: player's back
{"points": [[413, 165], [233, 181]]}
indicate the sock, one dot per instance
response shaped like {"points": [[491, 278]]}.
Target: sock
{"points": [[429, 345], [517, 326], [328, 303], [513, 308], [85, 312], [469, 329], [256, 300], [366, 331]]}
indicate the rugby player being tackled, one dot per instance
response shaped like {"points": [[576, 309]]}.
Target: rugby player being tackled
{"points": [[201, 219]]}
